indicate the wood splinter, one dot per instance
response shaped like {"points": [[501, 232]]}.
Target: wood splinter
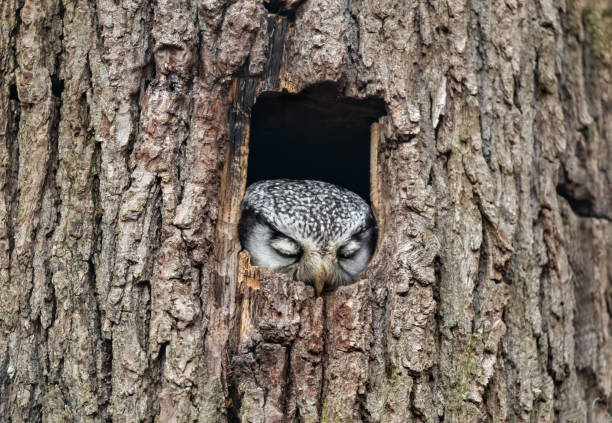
{"points": [[251, 275]]}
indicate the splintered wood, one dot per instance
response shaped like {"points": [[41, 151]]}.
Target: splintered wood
{"points": [[251, 275], [249, 285]]}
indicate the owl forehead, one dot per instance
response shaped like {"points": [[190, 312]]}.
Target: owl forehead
{"points": [[310, 210]]}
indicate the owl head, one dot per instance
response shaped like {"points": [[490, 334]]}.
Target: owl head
{"points": [[315, 231]]}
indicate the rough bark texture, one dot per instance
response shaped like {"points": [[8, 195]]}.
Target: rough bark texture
{"points": [[123, 158]]}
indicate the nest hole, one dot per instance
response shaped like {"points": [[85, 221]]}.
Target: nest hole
{"points": [[313, 135]]}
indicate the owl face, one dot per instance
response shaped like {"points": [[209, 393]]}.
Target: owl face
{"points": [[317, 232]]}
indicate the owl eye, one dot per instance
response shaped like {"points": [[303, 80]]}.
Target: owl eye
{"points": [[285, 247], [349, 249]]}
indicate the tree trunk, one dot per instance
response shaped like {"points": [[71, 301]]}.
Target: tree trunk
{"points": [[124, 141]]}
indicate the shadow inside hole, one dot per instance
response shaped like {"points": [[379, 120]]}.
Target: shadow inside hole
{"points": [[313, 135]]}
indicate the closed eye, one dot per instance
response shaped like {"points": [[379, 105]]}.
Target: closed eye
{"points": [[349, 249], [285, 247]]}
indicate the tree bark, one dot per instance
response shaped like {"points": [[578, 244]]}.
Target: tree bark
{"points": [[123, 156]]}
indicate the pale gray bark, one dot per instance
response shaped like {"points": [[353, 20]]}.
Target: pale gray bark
{"points": [[123, 158]]}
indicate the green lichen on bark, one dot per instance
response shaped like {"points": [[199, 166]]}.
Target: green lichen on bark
{"points": [[595, 31]]}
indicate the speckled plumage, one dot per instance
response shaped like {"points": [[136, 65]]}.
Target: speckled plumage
{"points": [[320, 220], [316, 210]]}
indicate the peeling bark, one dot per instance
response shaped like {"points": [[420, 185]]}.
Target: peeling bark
{"points": [[124, 141]]}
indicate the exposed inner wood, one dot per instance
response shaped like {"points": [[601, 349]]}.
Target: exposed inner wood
{"points": [[249, 275]]}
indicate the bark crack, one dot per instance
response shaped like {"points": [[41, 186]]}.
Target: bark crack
{"points": [[581, 208], [287, 377], [324, 358], [12, 145]]}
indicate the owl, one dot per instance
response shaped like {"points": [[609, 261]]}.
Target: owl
{"points": [[317, 232]]}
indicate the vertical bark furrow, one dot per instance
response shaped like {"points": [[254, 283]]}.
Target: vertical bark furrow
{"points": [[37, 44], [347, 324], [9, 123], [117, 58], [78, 358]]}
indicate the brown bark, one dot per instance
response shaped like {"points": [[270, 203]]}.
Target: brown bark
{"points": [[123, 157]]}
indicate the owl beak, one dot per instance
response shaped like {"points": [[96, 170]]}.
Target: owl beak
{"points": [[319, 271], [320, 277]]}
